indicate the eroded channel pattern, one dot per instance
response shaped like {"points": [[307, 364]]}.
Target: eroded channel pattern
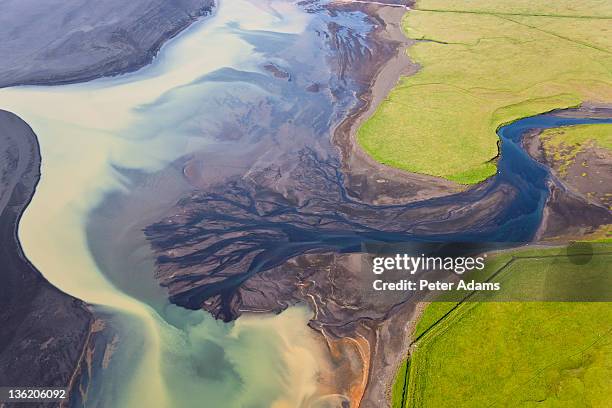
{"points": [[294, 199]]}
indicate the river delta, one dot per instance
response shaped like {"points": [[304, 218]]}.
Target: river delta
{"points": [[208, 210]]}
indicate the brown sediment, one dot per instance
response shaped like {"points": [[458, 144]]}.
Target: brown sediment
{"points": [[367, 333], [84, 362], [103, 340], [213, 236], [363, 346], [588, 110], [590, 175], [580, 192], [568, 217], [109, 350], [346, 375], [368, 179]]}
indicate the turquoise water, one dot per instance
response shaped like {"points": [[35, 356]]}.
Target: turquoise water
{"points": [[162, 356]]}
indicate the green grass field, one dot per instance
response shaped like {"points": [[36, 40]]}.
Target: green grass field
{"points": [[401, 381], [516, 354], [563, 144], [484, 64]]}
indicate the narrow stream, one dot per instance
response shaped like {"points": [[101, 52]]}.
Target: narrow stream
{"points": [[94, 136], [237, 94], [243, 240]]}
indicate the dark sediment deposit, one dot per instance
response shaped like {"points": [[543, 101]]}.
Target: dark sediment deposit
{"points": [[44, 330], [579, 202], [570, 216], [50, 339], [80, 40], [275, 214], [220, 238], [284, 232]]}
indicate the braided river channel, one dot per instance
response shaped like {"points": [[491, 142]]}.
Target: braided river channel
{"points": [[244, 92]]}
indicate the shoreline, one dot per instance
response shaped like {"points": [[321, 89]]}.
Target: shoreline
{"points": [[364, 176], [368, 179], [28, 296], [118, 65], [60, 328], [569, 213]]}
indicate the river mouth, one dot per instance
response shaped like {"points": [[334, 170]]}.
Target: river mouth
{"points": [[110, 139], [241, 142], [215, 240]]}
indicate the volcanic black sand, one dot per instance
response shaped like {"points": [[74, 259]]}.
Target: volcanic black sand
{"points": [[218, 247], [79, 40], [262, 243], [366, 178], [215, 235], [43, 330], [578, 206], [49, 338]]}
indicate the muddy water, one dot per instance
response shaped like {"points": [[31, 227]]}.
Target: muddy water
{"points": [[215, 90], [240, 107]]}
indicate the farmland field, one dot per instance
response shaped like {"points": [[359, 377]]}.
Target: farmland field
{"points": [[484, 64], [515, 353]]}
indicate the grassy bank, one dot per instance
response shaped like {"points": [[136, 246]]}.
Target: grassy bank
{"points": [[548, 354], [483, 64], [563, 144]]}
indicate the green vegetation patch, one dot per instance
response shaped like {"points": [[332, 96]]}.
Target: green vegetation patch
{"points": [[400, 384], [578, 135], [484, 64], [563, 144], [516, 354]]}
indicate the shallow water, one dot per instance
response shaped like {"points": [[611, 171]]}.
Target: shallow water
{"points": [[92, 137], [249, 239], [113, 152]]}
